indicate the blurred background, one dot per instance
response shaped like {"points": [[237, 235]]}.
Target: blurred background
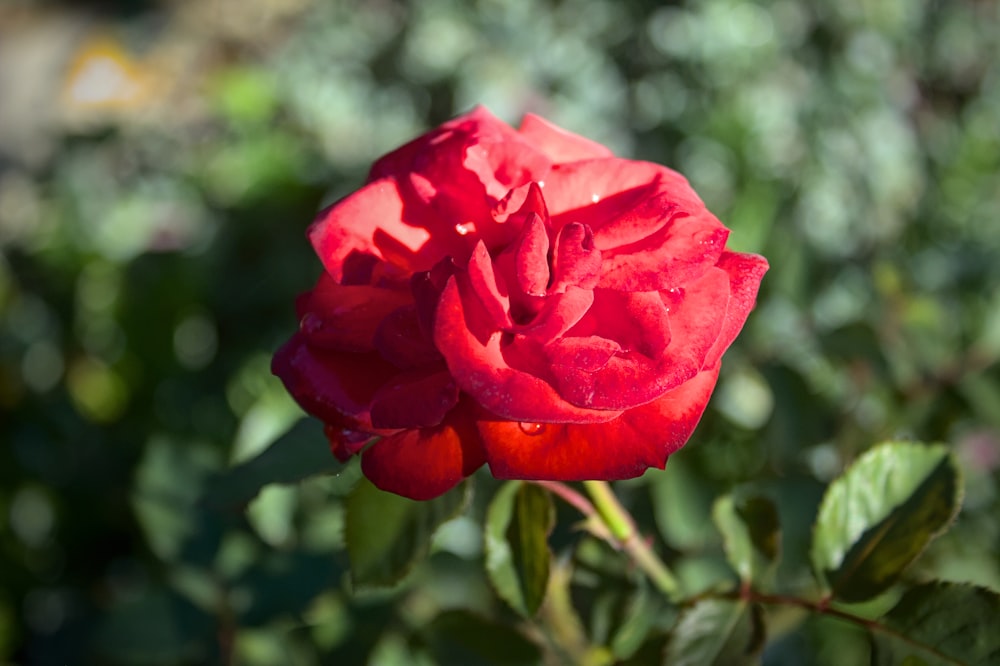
{"points": [[159, 163]]}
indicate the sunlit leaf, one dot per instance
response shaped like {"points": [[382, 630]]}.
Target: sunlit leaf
{"points": [[879, 516], [518, 523], [750, 535], [387, 534], [940, 624], [717, 632]]}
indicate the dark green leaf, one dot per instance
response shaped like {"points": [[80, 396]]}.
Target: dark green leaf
{"points": [[387, 534], [283, 584], [459, 638], [168, 511], [880, 515], [298, 454], [750, 535], [940, 624], [518, 523], [717, 632]]}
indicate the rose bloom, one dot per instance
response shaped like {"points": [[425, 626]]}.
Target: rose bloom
{"points": [[520, 298]]}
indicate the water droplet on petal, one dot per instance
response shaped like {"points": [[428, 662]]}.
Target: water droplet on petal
{"points": [[531, 428], [310, 324], [595, 197], [541, 183], [464, 229]]}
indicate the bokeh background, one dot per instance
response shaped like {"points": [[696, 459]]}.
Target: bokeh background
{"points": [[160, 160]]}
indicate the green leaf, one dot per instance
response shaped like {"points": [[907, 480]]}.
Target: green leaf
{"points": [[458, 638], [298, 454], [640, 612], [682, 504], [940, 624], [518, 523], [750, 535], [717, 632], [387, 534], [881, 514]]}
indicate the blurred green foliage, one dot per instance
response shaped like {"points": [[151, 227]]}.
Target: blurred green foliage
{"points": [[159, 162]]}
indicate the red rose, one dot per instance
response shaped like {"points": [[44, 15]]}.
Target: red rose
{"points": [[520, 298]]}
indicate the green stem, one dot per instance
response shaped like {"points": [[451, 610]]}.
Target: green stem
{"points": [[622, 528]]}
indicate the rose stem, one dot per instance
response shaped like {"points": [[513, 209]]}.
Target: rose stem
{"points": [[570, 496], [622, 527]]}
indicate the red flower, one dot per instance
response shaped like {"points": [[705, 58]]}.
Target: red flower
{"points": [[520, 298]]}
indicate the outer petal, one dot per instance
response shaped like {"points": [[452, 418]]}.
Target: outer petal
{"points": [[596, 192], [680, 251], [376, 221], [558, 144], [401, 340], [419, 398], [471, 346], [331, 385], [745, 273], [342, 317], [424, 463], [447, 143], [462, 168], [632, 378], [621, 449]]}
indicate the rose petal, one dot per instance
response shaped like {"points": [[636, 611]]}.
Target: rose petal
{"points": [[401, 341], [559, 314], [521, 202], [427, 462], [473, 352], [462, 168], [532, 257], [588, 354], [679, 252], [651, 321], [508, 164], [597, 191], [575, 262], [341, 317], [558, 144], [632, 378], [371, 222], [329, 384], [415, 399], [446, 143], [651, 228], [620, 449], [745, 273], [489, 287], [345, 442]]}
